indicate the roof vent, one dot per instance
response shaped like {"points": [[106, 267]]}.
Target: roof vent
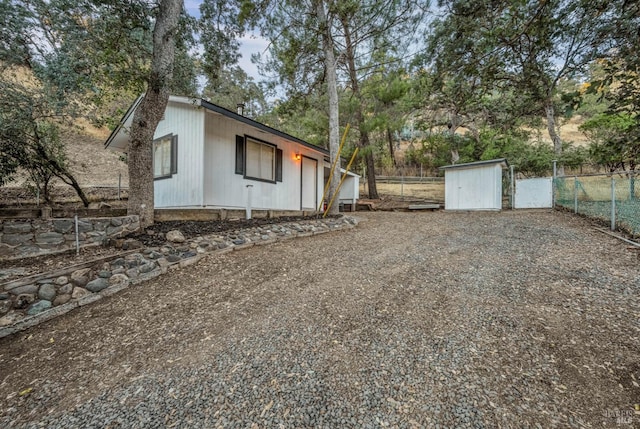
{"points": [[240, 109]]}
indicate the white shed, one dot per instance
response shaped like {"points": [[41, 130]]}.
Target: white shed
{"points": [[350, 189], [206, 156], [474, 186]]}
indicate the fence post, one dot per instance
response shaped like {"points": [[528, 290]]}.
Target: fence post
{"points": [[119, 183], [77, 235], [575, 194], [402, 185], [513, 195], [613, 203], [554, 184]]}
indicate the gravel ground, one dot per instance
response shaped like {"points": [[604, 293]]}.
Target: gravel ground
{"points": [[479, 320]]}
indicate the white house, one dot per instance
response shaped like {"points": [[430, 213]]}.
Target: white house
{"points": [[205, 156], [474, 186]]}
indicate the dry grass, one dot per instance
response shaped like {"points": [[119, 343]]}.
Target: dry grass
{"points": [[423, 191], [598, 188]]}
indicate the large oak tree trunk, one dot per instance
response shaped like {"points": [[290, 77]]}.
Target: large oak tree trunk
{"points": [[332, 90], [553, 133], [150, 112]]}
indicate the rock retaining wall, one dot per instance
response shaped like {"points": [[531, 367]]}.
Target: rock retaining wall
{"points": [[23, 238], [30, 301]]}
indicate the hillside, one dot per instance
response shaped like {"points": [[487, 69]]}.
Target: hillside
{"points": [[92, 164]]}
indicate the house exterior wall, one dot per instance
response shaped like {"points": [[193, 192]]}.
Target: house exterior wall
{"points": [[225, 189], [184, 188], [474, 188]]}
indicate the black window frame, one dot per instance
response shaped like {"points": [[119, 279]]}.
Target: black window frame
{"points": [[173, 169], [241, 159]]}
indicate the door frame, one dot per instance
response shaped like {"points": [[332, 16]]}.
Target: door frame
{"points": [[315, 186]]}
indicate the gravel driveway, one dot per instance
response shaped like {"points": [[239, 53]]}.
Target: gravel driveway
{"points": [[482, 320]]}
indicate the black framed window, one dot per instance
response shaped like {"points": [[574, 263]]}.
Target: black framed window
{"points": [[165, 156], [258, 160]]}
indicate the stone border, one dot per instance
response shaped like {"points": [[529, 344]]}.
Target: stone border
{"points": [[35, 237], [79, 286]]}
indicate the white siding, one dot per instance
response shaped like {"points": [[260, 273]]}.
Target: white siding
{"points": [[225, 189], [473, 188], [350, 190], [183, 189]]}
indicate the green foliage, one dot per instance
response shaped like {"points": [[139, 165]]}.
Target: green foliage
{"points": [[234, 86], [614, 141]]}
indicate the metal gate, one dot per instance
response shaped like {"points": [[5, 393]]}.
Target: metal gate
{"points": [[534, 193]]}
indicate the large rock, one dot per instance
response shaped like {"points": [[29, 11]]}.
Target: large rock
{"points": [[39, 307], [29, 289], [130, 244], [16, 239], [175, 236], [63, 226], [24, 300], [50, 238], [62, 280], [66, 289], [5, 306], [146, 268], [97, 285], [118, 279], [16, 227], [79, 292], [47, 292], [62, 299], [80, 277]]}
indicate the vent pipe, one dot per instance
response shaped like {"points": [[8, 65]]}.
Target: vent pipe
{"points": [[240, 109]]}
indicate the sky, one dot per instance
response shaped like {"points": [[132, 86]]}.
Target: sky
{"points": [[249, 44]]}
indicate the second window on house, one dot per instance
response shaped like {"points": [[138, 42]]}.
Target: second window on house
{"points": [[260, 160], [165, 152]]}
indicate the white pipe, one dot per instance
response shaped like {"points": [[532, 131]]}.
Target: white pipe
{"points": [[248, 209]]}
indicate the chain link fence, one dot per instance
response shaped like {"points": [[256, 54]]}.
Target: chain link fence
{"points": [[613, 199]]}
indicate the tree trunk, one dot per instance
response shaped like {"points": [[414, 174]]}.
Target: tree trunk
{"points": [[391, 151], [358, 115], [332, 90], [150, 111], [553, 133], [71, 181], [453, 125]]}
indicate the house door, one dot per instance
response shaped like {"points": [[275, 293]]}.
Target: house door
{"points": [[309, 184]]}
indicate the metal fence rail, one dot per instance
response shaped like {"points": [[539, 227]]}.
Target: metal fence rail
{"points": [[614, 199]]}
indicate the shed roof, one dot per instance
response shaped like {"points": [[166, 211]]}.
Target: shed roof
{"points": [[128, 116], [502, 161]]}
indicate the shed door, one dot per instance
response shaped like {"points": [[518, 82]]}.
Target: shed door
{"points": [[309, 184]]}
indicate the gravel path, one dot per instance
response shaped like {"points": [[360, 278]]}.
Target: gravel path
{"points": [[479, 320]]}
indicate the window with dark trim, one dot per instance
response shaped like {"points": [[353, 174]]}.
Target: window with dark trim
{"points": [[258, 160], [165, 156]]}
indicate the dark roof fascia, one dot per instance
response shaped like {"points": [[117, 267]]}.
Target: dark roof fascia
{"points": [[124, 119], [232, 115], [476, 164]]}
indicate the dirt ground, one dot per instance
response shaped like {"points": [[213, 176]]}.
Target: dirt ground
{"points": [[512, 319]]}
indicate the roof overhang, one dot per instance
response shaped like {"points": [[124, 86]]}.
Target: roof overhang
{"points": [[501, 161], [119, 138]]}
